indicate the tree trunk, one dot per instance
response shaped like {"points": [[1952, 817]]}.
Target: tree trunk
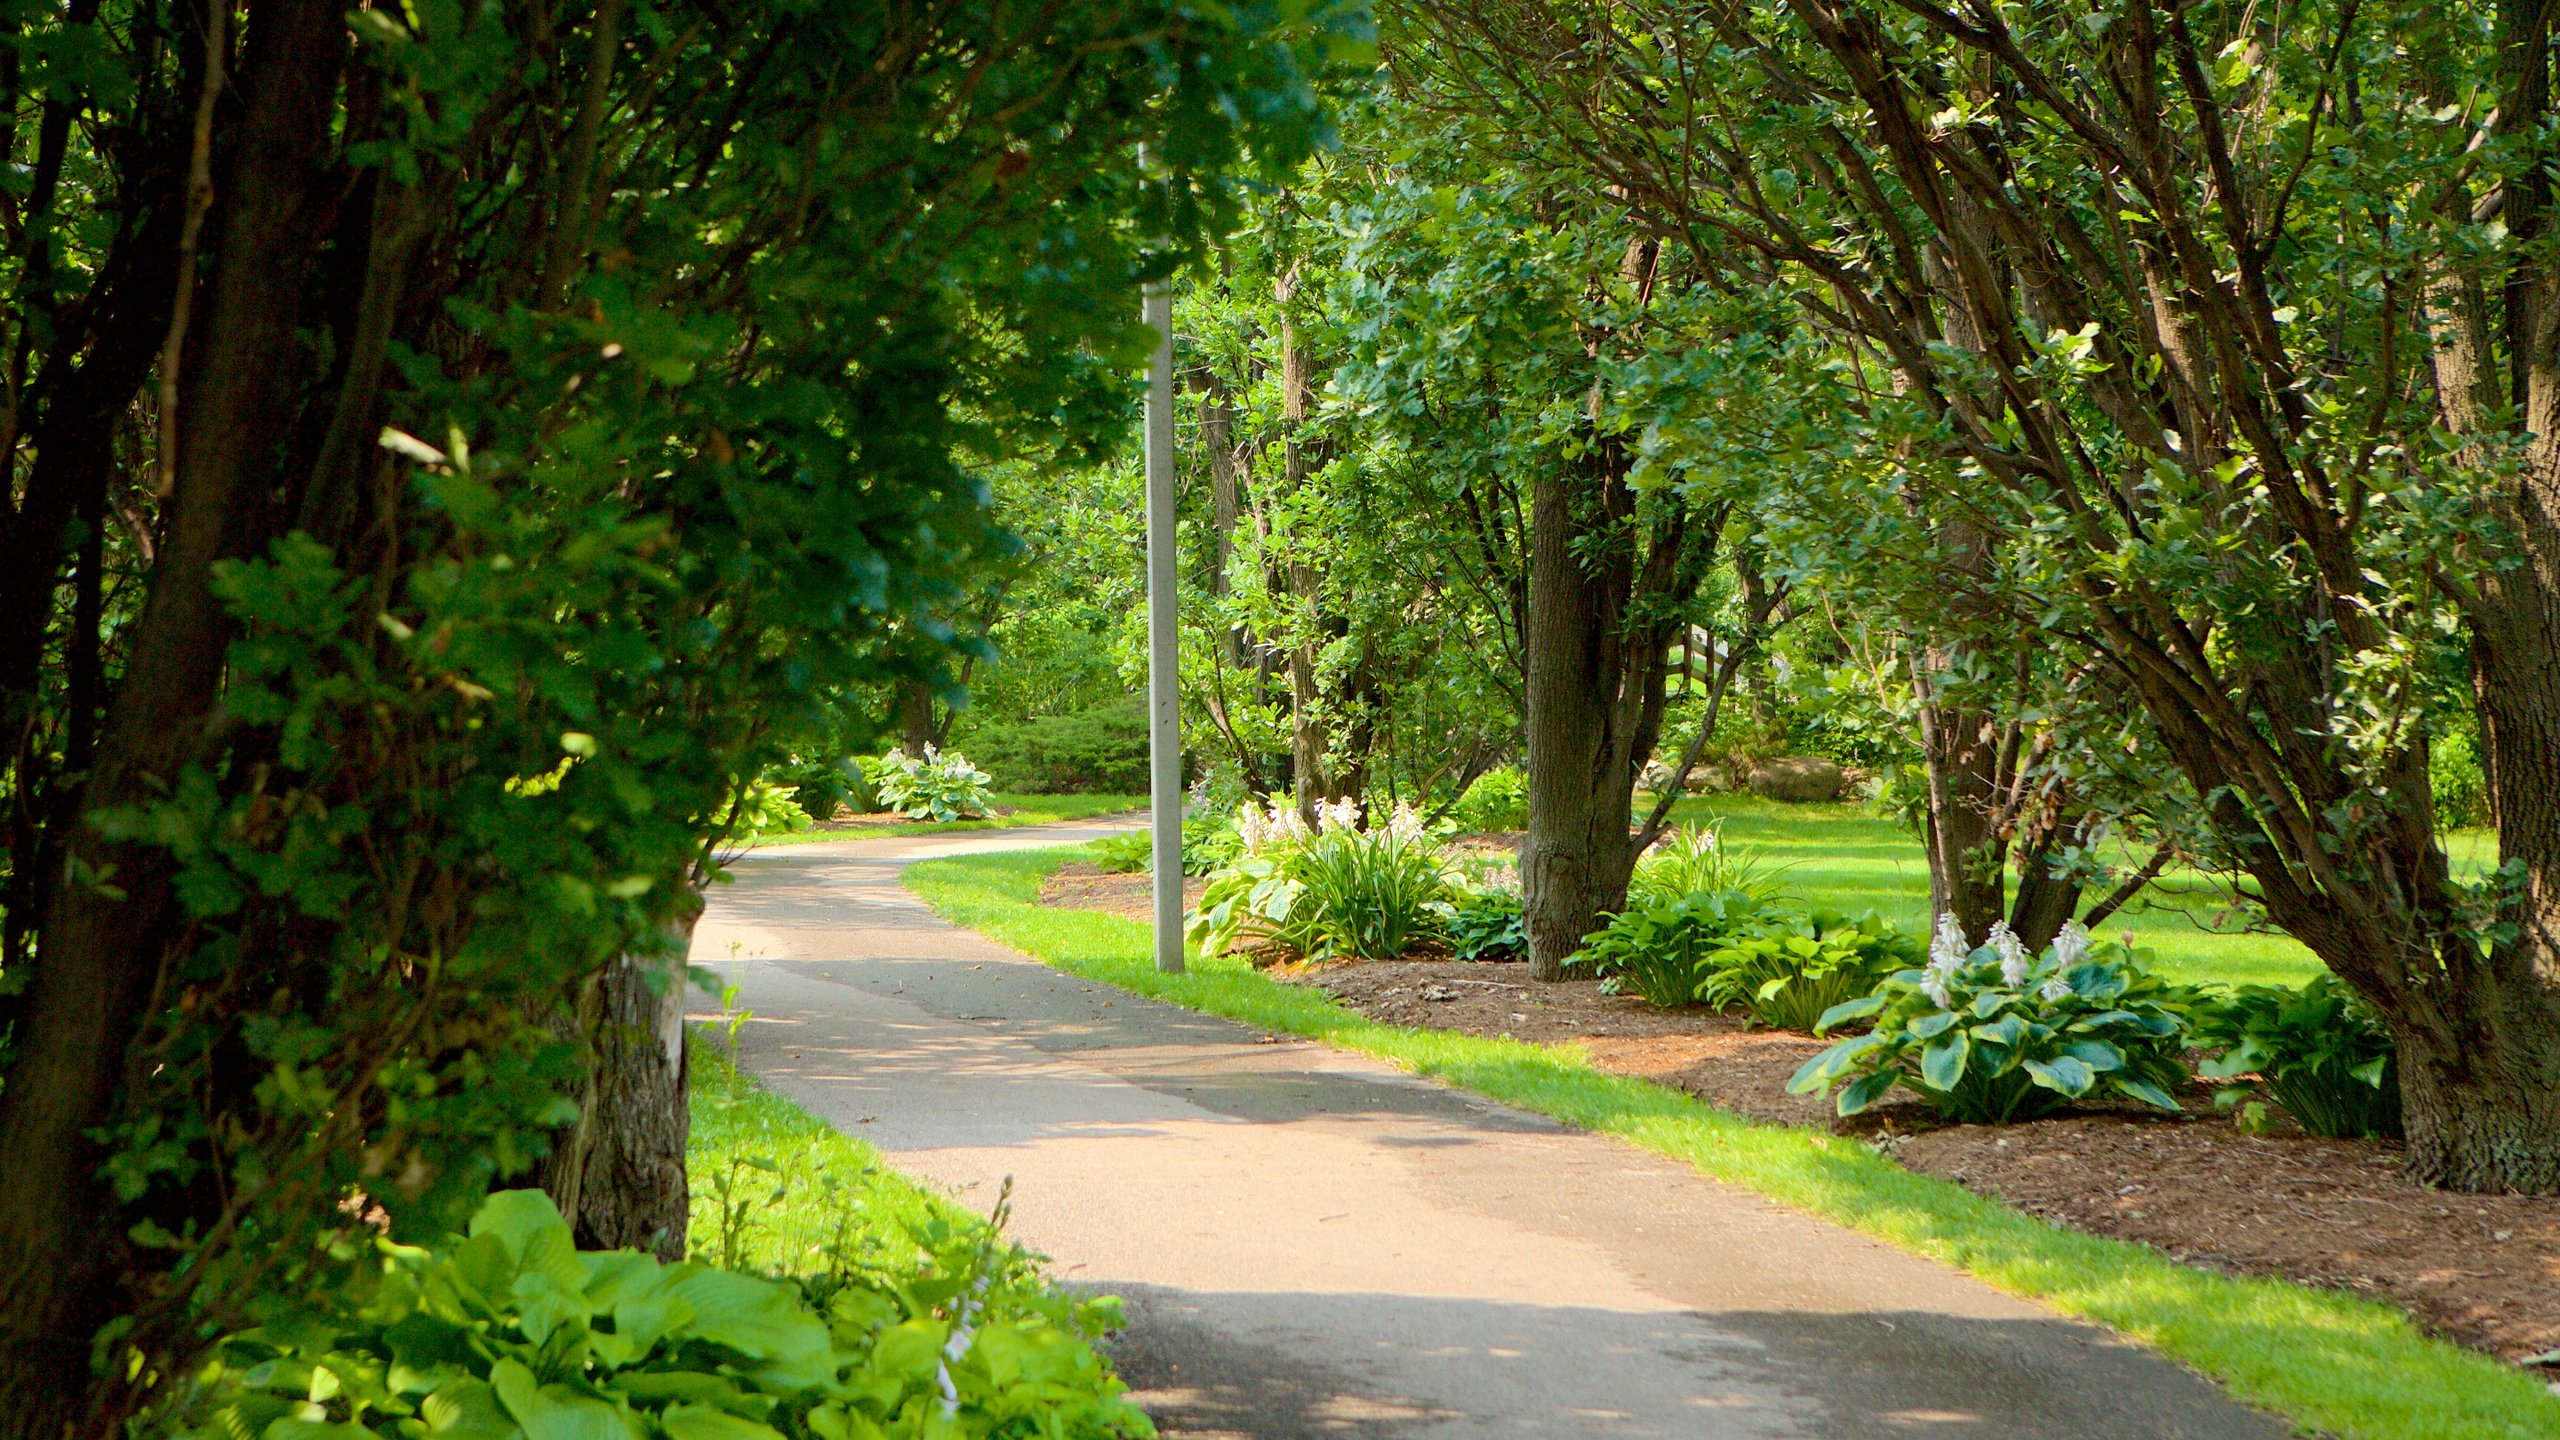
{"points": [[2482, 1102], [916, 727], [101, 950], [619, 1173], [1576, 859], [1966, 850]]}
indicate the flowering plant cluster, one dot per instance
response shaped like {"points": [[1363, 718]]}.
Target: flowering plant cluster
{"points": [[1994, 1032], [939, 785], [1332, 890]]}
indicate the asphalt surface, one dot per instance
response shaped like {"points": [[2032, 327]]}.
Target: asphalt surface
{"points": [[1316, 1245]]}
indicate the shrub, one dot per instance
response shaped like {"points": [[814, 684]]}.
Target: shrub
{"points": [[939, 785], [1993, 1034], [1099, 750], [1692, 860], [764, 809], [511, 1330], [1488, 925], [823, 787], [1789, 970], [2316, 1050], [1660, 951], [1339, 892], [1498, 800]]}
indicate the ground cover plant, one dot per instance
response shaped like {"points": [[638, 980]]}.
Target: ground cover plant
{"points": [[2327, 1361], [1994, 1033], [2315, 1050], [933, 784], [827, 1296], [1486, 925]]}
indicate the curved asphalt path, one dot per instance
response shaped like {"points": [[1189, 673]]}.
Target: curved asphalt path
{"points": [[1317, 1245]]}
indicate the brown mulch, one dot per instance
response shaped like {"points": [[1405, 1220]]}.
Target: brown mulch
{"points": [[1083, 885], [2482, 1270]]}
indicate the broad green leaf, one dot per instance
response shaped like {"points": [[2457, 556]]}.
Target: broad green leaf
{"points": [[1866, 1090], [2064, 1075], [1942, 1064]]}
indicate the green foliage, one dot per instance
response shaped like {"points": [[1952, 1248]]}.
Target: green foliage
{"points": [[1341, 893], [1660, 952], [1694, 859], [2317, 1050], [1498, 800], [823, 787], [1209, 842], [2460, 786], [764, 808], [937, 785], [1104, 748], [1993, 1035], [1488, 925], [511, 1333], [1789, 970]]}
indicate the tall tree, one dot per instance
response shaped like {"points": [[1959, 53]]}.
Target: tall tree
{"points": [[2183, 301], [553, 405]]}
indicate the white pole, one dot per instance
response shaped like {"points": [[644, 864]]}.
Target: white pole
{"points": [[1164, 749]]}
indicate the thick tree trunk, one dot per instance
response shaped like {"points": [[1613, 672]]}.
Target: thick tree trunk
{"points": [[916, 727], [2480, 1096], [619, 1173], [1966, 849], [101, 949]]}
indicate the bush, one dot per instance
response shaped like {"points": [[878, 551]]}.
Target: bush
{"points": [[1488, 925], [512, 1331], [939, 785], [764, 809], [1692, 860], [1660, 951], [1993, 1034], [1100, 750], [823, 787], [2316, 1050], [1339, 892], [1498, 800], [1789, 970]]}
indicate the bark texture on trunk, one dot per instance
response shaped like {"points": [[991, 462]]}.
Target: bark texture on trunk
{"points": [[619, 1174], [103, 948]]}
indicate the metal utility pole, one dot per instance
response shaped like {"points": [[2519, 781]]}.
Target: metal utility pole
{"points": [[1164, 735]]}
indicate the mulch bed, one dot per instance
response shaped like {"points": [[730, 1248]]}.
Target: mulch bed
{"points": [[2482, 1270]]}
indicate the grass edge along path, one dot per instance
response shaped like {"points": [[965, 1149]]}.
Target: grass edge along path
{"points": [[2329, 1363]]}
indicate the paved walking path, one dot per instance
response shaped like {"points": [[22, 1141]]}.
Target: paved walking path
{"points": [[1316, 1245]]}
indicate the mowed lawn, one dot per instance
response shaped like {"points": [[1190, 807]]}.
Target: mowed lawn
{"points": [[1844, 857]]}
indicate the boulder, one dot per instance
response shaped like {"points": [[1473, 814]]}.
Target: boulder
{"points": [[1797, 779]]}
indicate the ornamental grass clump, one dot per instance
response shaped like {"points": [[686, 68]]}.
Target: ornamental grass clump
{"points": [[1334, 891], [937, 785], [1992, 1034], [2316, 1050], [1695, 860]]}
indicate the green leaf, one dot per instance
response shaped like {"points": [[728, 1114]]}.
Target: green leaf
{"points": [[702, 1422], [2064, 1075], [1857, 1009], [2099, 1055], [554, 1412], [2146, 1092], [1942, 1064], [1866, 1090]]}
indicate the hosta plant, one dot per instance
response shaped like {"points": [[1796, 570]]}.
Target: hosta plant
{"points": [[1993, 1033], [1338, 891], [764, 808], [937, 785], [1660, 951], [1208, 842], [1488, 925], [2316, 1050], [1789, 970], [511, 1333]]}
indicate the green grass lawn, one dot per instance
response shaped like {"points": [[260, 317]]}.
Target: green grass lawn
{"points": [[777, 1189], [1012, 811], [2328, 1362], [1846, 858]]}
